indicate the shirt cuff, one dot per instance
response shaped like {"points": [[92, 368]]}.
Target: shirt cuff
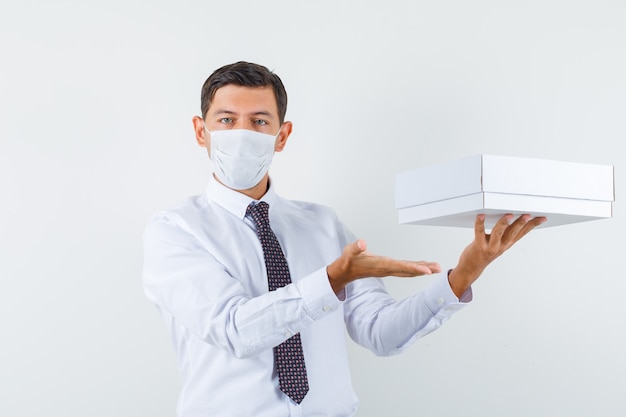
{"points": [[439, 295], [319, 298]]}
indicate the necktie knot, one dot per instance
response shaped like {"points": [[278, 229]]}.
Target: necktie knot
{"points": [[259, 213]]}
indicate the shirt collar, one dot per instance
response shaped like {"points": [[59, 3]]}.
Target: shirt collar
{"points": [[234, 201]]}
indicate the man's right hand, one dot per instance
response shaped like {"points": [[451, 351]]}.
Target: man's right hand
{"points": [[356, 262]]}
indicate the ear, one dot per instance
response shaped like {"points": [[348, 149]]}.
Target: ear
{"points": [[201, 133], [283, 135]]}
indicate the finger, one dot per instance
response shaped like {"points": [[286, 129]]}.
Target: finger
{"points": [[426, 268], [406, 269], [530, 225], [355, 248], [433, 266], [514, 231], [479, 227], [499, 228]]}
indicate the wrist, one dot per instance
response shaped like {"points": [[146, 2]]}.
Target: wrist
{"points": [[333, 273], [461, 280]]}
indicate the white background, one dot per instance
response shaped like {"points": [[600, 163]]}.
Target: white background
{"points": [[96, 101]]}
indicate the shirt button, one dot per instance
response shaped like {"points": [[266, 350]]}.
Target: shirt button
{"points": [[440, 300], [287, 334], [326, 309]]}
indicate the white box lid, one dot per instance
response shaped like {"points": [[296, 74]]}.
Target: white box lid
{"points": [[507, 175]]}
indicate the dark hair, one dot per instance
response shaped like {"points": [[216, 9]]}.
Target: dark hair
{"points": [[244, 74]]}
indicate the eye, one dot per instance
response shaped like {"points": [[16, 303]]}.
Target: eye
{"points": [[226, 120], [260, 122]]}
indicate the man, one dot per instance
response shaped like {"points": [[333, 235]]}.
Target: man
{"points": [[247, 346]]}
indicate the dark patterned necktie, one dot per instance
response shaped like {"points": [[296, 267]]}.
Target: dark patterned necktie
{"points": [[288, 356]]}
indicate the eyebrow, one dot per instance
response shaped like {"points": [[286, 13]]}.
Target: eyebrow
{"points": [[256, 113]]}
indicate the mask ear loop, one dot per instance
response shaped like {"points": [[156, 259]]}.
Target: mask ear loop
{"points": [[277, 133]]}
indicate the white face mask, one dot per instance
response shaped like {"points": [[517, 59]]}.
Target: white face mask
{"points": [[241, 157]]}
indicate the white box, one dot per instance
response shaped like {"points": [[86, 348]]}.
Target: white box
{"points": [[452, 194]]}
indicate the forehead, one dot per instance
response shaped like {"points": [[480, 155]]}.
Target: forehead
{"points": [[240, 99]]}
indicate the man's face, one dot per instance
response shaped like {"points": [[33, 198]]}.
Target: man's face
{"points": [[250, 108], [238, 107]]}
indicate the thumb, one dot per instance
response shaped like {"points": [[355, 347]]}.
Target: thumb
{"points": [[358, 247]]}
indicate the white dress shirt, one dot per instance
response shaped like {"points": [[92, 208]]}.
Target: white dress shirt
{"points": [[205, 272]]}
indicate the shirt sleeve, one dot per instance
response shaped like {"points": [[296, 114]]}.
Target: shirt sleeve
{"points": [[386, 326], [182, 278]]}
